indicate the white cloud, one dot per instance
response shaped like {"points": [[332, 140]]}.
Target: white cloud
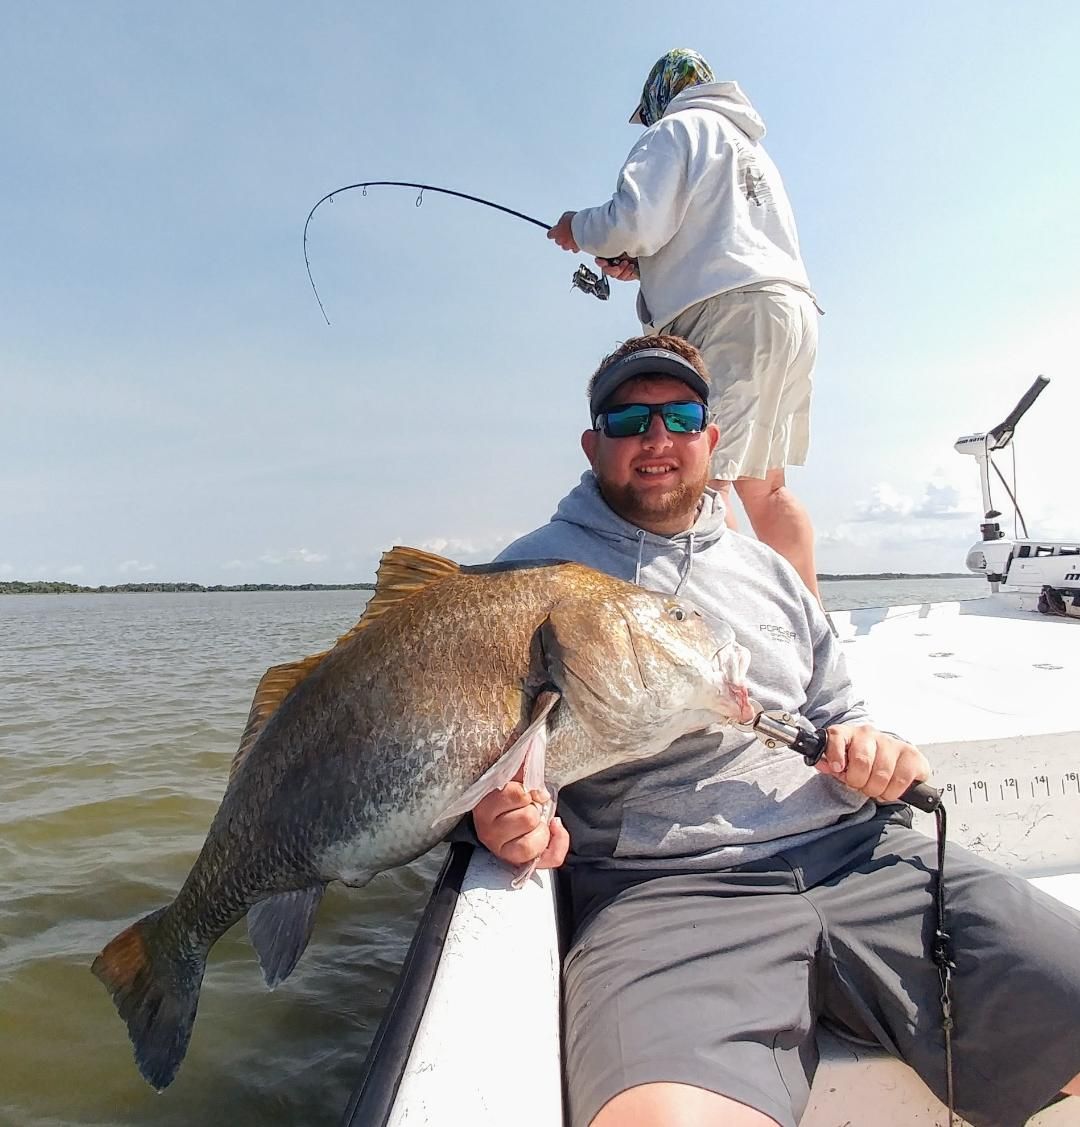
{"points": [[943, 500], [884, 503], [895, 531], [6, 569], [72, 569], [297, 555], [234, 565], [135, 565], [464, 549], [928, 529]]}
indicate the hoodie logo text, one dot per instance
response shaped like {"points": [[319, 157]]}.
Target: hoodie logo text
{"points": [[780, 633]]}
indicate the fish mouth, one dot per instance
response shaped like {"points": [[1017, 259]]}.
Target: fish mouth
{"points": [[732, 662]]}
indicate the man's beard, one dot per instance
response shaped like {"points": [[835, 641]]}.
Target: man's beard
{"points": [[647, 507]]}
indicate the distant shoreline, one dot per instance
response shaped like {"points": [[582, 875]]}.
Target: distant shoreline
{"points": [[826, 577], [55, 587], [46, 587]]}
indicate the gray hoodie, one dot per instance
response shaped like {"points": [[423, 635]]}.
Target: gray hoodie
{"points": [[700, 205], [717, 798]]}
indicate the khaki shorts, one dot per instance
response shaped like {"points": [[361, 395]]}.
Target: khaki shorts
{"points": [[719, 979], [760, 347]]}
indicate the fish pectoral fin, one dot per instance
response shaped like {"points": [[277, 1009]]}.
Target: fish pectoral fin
{"points": [[279, 928], [522, 874], [531, 743], [276, 684], [535, 755]]}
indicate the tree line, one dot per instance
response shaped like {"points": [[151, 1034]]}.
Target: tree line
{"points": [[55, 587]]}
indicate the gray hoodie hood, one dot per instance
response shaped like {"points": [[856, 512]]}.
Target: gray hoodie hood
{"points": [[724, 98], [585, 507]]}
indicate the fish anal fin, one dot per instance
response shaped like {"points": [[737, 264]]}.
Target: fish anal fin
{"points": [[531, 743], [402, 572], [276, 684], [280, 927]]}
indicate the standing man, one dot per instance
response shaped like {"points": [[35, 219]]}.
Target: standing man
{"points": [[701, 218]]}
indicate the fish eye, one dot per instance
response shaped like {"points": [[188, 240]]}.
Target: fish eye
{"points": [[677, 613]]}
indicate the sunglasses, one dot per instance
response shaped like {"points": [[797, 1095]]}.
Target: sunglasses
{"points": [[635, 418]]}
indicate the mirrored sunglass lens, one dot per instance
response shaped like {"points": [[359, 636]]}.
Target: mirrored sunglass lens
{"points": [[684, 418], [625, 421]]}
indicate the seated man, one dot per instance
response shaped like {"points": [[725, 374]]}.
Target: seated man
{"points": [[725, 898]]}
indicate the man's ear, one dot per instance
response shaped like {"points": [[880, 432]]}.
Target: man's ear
{"points": [[713, 431], [588, 444]]}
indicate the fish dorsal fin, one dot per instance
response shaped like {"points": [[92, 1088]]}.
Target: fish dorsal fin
{"points": [[276, 684], [402, 572]]}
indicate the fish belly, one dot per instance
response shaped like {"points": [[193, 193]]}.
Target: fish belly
{"points": [[392, 838]]}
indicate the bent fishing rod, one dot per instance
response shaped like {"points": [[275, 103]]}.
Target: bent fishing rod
{"points": [[583, 279]]}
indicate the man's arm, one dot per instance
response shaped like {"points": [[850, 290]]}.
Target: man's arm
{"points": [[648, 206]]}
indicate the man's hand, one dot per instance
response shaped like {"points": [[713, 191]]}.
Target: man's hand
{"points": [[871, 762], [623, 269], [562, 233], [508, 822]]}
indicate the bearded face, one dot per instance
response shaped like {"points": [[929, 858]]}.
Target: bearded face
{"points": [[654, 480]]}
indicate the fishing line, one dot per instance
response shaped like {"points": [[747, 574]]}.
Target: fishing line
{"points": [[583, 279]]}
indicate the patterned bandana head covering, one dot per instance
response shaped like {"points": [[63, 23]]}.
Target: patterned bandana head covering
{"points": [[671, 74]]}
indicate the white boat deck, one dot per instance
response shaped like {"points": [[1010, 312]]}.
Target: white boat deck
{"points": [[986, 690], [990, 695]]}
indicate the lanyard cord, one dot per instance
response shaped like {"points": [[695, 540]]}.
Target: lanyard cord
{"points": [[419, 200], [942, 956]]}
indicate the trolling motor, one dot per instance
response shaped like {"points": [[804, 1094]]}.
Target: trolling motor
{"points": [[982, 446], [583, 278], [1048, 570]]}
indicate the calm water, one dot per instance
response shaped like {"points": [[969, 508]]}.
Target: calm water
{"points": [[119, 716]]}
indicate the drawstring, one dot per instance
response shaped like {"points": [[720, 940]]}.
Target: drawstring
{"points": [[689, 564], [689, 559]]}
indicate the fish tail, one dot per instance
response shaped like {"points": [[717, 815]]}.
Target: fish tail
{"points": [[155, 987]]}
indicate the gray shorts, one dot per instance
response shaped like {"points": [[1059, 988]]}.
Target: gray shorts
{"points": [[719, 979], [760, 347]]}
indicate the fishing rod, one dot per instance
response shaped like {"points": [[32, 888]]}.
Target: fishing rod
{"points": [[583, 279]]}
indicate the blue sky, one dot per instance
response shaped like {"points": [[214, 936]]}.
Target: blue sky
{"points": [[173, 406]]}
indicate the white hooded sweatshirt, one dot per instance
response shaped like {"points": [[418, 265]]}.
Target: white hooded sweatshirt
{"points": [[700, 205]]}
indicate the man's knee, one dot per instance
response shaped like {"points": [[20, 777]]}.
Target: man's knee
{"points": [[677, 1105]]}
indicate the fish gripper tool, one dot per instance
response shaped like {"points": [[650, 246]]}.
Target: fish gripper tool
{"points": [[782, 729]]}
